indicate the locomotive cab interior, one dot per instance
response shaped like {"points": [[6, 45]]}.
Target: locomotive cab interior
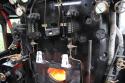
{"points": [[62, 41]]}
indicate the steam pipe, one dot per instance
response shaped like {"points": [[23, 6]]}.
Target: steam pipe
{"points": [[89, 62], [111, 49], [120, 37], [112, 37], [120, 48], [120, 42]]}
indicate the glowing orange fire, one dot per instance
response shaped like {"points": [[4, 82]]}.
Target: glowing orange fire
{"points": [[57, 74]]}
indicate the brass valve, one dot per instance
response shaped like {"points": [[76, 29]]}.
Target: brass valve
{"points": [[2, 77]]}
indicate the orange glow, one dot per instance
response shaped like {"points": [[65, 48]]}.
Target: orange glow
{"points": [[57, 74]]}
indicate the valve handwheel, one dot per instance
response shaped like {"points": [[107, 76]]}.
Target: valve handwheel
{"points": [[120, 7]]}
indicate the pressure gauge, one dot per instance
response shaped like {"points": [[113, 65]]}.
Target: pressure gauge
{"points": [[19, 11], [101, 7], [13, 1], [24, 1]]}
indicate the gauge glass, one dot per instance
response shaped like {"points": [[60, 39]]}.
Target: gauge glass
{"points": [[24, 1], [100, 7], [12, 1]]}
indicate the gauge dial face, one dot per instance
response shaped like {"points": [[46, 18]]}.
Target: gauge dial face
{"points": [[19, 11], [13, 1], [24, 1], [100, 7]]}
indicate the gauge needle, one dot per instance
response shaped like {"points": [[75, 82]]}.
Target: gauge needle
{"points": [[99, 8]]}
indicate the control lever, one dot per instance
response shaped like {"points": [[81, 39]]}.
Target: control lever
{"points": [[70, 47], [33, 18], [14, 57]]}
